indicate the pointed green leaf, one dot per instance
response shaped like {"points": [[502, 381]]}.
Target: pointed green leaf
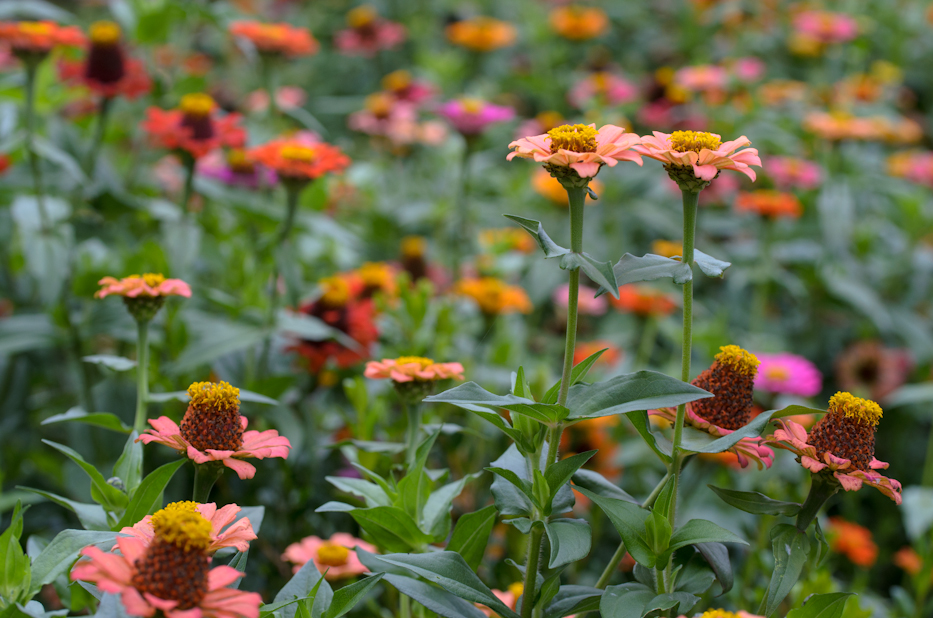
{"points": [[471, 535], [570, 540], [710, 266], [642, 390], [822, 606], [392, 528], [629, 520], [91, 516], [148, 497], [699, 442], [98, 419], [576, 375], [632, 269], [433, 598], [347, 597], [471, 396], [550, 248], [756, 503], [107, 495], [791, 548], [601, 273]]}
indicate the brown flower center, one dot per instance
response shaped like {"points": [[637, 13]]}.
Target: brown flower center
{"points": [[197, 115], [105, 62], [731, 380], [573, 137], [212, 420], [848, 430]]}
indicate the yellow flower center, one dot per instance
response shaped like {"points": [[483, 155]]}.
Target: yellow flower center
{"points": [[777, 372], [694, 141], [104, 32], [182, 527], [294, 152], [718, 613], [197, 104], [516, 589], [667, 248], [855, 407], [219, 396], [362, 16], [335, 291], [151, 279], [375, 274], [380, 104], [471, 105], [741, 360], [239, 162], [397, 81], [414, 246], [333, 555], [573, 137], [408, 360], [272, 31], [34, 28]]}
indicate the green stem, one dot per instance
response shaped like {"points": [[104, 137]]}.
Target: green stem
{"points": [[30, 120], [188, 163], [142, 375], [413, 417], [460, 233], [927, 479], [821, 490], [404, 606], [103, 113], [649, 335], [531, 570], [205, 475]]}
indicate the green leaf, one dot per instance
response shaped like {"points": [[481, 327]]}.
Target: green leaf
{"points": [[717, 557], [597, 483], [695, 576], [702, 531], [471, 535], [822, 606], [91, 516], [570, 540], [14, 563], [700, 442], [129, 467], [710, 266], [347, 597], [791, 548], [471, 396], [148, 497], [629, 520], [550, 248], [642, 390], [576, 375], [370, 492], [105, 494], [519, 483], [559, 473], [639, 420], [60, 554], [392, 528], [658, 536], [635, 600], [448, 570], [117, 363], [510, 500], [435, 599], [632, 269], [600, 272], [572, 600], [436, 514], [98, 419], [306, 582], [794, 410], [756, 503]]}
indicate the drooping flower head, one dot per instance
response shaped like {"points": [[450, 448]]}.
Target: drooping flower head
{"points": [[788, 374], [694, 158], [276, 39], [213, 430], [471, 116], [226, 530], [368, 33], [169, 573], [335, 555], [143, 294], [32, 41], [770, 204], [195, 127], [494, 296], [731, 381], [841, 445], [853, 541], [300, 161], [105, 69], [481, 34], [578, 23], [575, 153]]}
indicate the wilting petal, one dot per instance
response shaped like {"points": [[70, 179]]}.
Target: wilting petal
{"points": [[243, 470]]}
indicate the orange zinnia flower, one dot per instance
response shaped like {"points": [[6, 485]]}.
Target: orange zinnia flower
{"points": [[412, 369], [106, 70], [282, 39], [507, 239], [481, 34], [297, 159], [852, 540], [195, 127], [38, 38], [579, 23], [643, 300], [494, 296], [585, 349], [771, 204]]}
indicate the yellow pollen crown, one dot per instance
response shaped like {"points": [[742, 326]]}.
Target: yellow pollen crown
{"points": [[472, 105], [197, 104], [855, 407], [362, 16], [34, 27], [741, 360], [516, 589], [331, 554], [104, 32], [336, 291], [573, 137], [718, 613], [295, 152], [414, 246], [375, 273], [153, 279], [214, 396], [408, 360], [187, 529], [694, 141], [397, 80], [380, 104]]}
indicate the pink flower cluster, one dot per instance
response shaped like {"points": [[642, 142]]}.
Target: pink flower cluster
{"points": [[788, 374]]}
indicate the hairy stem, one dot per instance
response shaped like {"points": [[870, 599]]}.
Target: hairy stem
{"points": [[205, 475], [531, 570]]}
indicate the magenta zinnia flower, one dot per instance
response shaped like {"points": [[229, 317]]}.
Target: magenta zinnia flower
{"points": [[788, 374], [472, 116], [580, 148], [237, 534]]}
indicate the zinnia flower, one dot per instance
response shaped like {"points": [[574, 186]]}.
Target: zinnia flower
{"points": [[788, 374], [105, 69], [731, 380], [377, 278], [171, 574], [867, 367], [238, 534], [721, 613], [503, 240], [494, 296], [643, 300], [909, 560], [853, 541], [509, 597], [667, 248], [403, 87], [143, 294], [276, 39], [825, 27], [588, 302], [702, 78], [195, 127], [300, 160], [693, 159], [794, 173], [472, 116], [213, 430], [384, 116], [602, 88], [235, 168], [770, 204], [412, 369], [577, 151], [368, 33], [481, 34], [579, 23], [841, 445], [35, 39], [585, 349], [336, 555]]}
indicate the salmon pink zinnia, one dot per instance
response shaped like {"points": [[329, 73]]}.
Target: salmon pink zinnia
{"points": [[226, 529], [694, 158], [336, 555], [412, 368], [578, 149]]}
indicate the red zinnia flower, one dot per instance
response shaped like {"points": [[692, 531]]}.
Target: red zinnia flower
{"points": [[195, 127], [105, 69], [276, 38], [38, 38]]}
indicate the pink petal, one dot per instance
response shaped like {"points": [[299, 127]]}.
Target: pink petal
{"points": [[811, 464], [221, 576], [705, 172], [243, 470], [849, 483], [878, 465], [135, 604], [585, 170]]}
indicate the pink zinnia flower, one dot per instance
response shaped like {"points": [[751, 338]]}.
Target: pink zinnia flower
{"points": [[171, 574], [788, 374], [602, 87], [286, 98], [748, 69], [794, 173], [825, 26], [368, 33], [403, 87], [701, 78], [235, 168], [238, 533], [336, 555], [386, 117], [472, 116], [412, 368], [579, 147], [588, 303], [149, 284], [213, 430], [703, 152]]}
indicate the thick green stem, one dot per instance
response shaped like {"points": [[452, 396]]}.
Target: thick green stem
{"points": [[412, 429], [30, 120], [205, 475], [142, 375], [531, 570], [103, 113], [821, 490], [404, 606], [188, 162]]}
